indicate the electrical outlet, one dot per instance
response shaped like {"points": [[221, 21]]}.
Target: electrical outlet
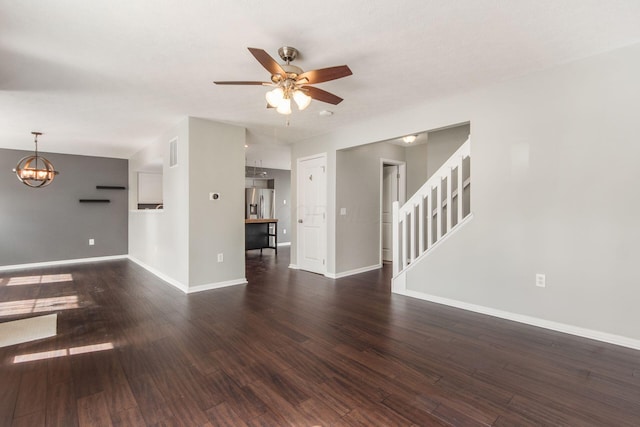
{"points": [[284, 231], [541, 280], [284, 202], [220, 257], [92, 242]]}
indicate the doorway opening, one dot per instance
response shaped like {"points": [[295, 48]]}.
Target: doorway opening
{"points": [[393, 188]]}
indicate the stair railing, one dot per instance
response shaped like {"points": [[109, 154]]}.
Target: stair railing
{"points": [[440, 205]]}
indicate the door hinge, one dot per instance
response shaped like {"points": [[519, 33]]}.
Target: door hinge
{"points": [[322, 262], [323, 171]]}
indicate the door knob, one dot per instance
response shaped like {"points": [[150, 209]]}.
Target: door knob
{"points": [[300, 221]]}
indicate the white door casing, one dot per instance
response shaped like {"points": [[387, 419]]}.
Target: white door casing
{"points": [[312, 213], [390, 181], [391, 190]]}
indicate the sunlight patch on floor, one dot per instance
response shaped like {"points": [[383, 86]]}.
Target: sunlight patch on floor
{"points": [[63, 352], [38, 305], [35, 280]]}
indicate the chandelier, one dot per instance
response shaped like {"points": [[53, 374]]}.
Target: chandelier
{"points": [[35, 171]]}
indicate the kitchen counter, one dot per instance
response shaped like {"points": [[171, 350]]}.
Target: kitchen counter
{"points": [[261, 234], [260, 221]]}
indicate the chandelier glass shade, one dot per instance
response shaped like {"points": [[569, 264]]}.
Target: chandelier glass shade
{"points": [[35, 171], [280, 99]]}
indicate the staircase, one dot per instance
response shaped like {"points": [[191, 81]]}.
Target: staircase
{"points": [[440, 207]]}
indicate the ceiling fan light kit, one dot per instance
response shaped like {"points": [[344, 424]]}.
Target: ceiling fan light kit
{"points": [[291, 82]]}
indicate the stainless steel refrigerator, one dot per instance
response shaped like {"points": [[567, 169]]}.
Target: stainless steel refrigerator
{"points": [[260, 203]]}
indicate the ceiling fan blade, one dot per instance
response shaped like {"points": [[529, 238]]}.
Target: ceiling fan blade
{"points": [[243, 83], [267, 61], [322, 95], [325, 74]]}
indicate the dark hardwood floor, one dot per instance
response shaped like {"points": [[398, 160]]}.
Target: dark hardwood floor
{"points": [[292, 348]]}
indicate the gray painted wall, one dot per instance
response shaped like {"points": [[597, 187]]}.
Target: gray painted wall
{"points": [[358, 175], [423, 160], [540, 205], [49, 224], [417, 174], [181, 242], [160, 239], [282, 185], [442, 144], [216, 164]]}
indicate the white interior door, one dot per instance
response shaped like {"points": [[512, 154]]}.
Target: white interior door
{"points": [[390, 193], [312, 214]]}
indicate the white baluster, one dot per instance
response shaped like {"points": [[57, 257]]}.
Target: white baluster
{"points": [[412, 216], [421, 226], [439, 209], [449, 199], [429, 218], [460, 189], [404, 241]]}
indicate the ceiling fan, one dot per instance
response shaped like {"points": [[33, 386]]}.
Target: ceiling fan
{"points": [[291, 82]]}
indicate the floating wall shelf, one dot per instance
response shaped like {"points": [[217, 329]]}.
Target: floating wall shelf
{"points": [[95, 201], [110, 187]]}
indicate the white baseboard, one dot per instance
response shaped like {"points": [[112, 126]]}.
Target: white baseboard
{"points": [[284, 244], [218, 285], [293, 267], [184, 288], [534, 321], [61, 262], [173, 282], [352, 272]]}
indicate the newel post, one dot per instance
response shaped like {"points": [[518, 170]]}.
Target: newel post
{"points": [[396, 237]]}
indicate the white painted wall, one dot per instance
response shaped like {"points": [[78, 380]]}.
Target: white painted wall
{"points": [[216, 165], [180, 243], [417, 173], [358, 192], [160, 239], [554, 164], [441, 145]]}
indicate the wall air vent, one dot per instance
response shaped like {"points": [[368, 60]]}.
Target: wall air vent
{"points": [[173, 152]]}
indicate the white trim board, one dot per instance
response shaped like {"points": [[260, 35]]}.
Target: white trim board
{"points": [[217, 285], [284, 244], [442, 239], [528, 320], [62, 262], [184, 288], [352, 272], [173, 282]]}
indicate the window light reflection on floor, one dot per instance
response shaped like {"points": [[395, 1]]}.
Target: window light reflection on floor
{"points": [[38, 305], [34, 280], [63, 352]]}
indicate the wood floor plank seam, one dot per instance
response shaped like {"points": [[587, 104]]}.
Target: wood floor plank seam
{"points": [[295, 348]]}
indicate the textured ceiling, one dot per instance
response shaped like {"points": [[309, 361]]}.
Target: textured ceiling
{"points": [[107, 78]]}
